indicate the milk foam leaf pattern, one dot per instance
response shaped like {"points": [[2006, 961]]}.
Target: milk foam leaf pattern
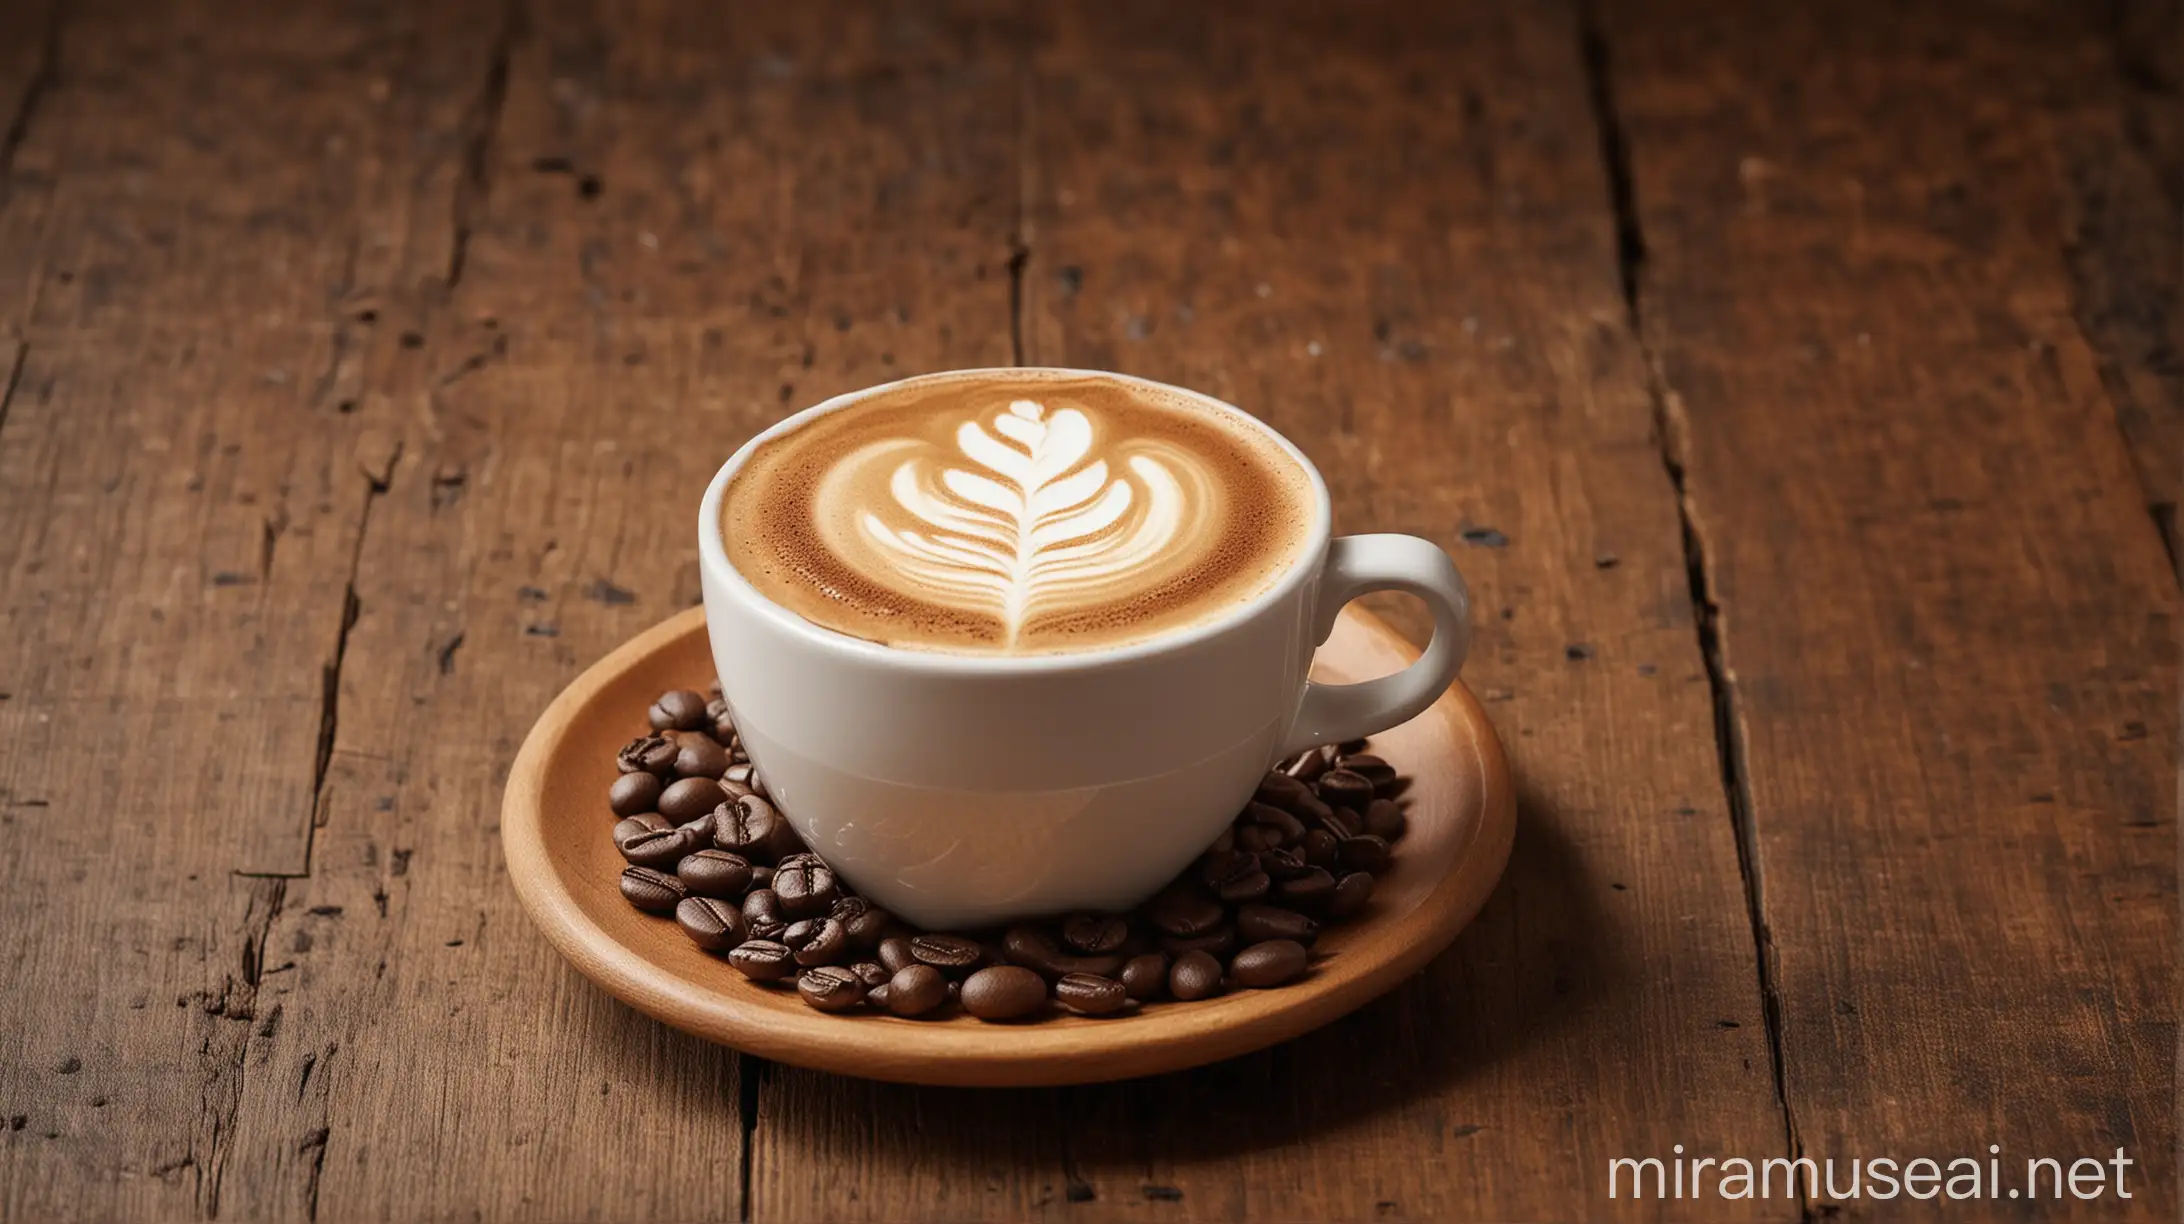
{"points": [[1025, 517]]}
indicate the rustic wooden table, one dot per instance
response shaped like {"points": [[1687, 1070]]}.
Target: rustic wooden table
{"points": [[1799, 387]]}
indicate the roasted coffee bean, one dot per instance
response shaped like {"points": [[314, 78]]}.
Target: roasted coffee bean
{"points": [[735, 790], [659, 849], [743, 773], [1384, 818], [1183, 911], [1315, 813], [1374, 770], [1031, 947], [947, 953], [762, 915], [763, 960], [1283, 864], [698, 756], [723, 719], [1195, 975], [640, 824], [916, 989], [1282, 791], [1342, 788], [650, 890], [677, 710], [1216, 867], [1366, 853], [690, 798], [1351, 747], [1250, 886], [633, 793], [1004, 992], [1252, 838], [749, 826], [895, 953], [1094, 934], [1090, 995], [1034, 949], [1145, 975], [806, 887], [701, 828], [652, 754], [1268, 964], [1306, 891], [816, 941], [715, 873], [711, 923], [1306, 765], [1319, 848], [1259, 923], [1342, 824], [864, 921], [1281, 821], [761, 876], [871, 973], [1351, 893], [955, 990], [878, 996], [830, 988], [1219, 941]]}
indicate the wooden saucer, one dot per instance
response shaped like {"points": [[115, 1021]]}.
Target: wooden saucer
{"points": [[554, 823]]}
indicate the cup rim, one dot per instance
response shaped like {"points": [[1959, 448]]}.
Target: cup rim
{"points": [[713, 552]]}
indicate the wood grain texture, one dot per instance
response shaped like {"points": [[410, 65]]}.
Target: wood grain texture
{"points": [[29, 61], [1387, 231], [2116, 122], [361, 364], [1946, 622], [193, 208], [680, 222]]}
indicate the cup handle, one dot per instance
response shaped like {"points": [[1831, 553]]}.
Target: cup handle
{"points": [[1359, 565]]}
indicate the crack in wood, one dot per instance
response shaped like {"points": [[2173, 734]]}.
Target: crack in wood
{"points": [[226, 1050], [1630, 241], [337, 359], [315, 1144], [1671, 427], [15, 381], [476, 183], [276, 524], [376, 486], [1020, 235], [41, 79], [751, 1072], [1019, 256]]}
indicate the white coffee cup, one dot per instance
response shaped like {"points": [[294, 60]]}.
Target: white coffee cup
{"points": [[960, 791]]}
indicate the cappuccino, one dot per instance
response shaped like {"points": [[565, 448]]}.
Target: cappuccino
{"points": [[1018, 513]]}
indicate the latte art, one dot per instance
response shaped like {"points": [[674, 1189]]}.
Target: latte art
{"points": [[1016, 513], [1020, 523]]}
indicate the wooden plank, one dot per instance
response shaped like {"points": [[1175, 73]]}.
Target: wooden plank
{"points": [[1946, 621], [685, 222], [1388, 231], [196, 203], [29, 60], [2117, 130]]}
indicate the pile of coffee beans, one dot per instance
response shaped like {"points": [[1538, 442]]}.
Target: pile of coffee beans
{"points": [[706, 846]]}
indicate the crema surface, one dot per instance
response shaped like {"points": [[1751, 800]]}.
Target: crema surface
{"points": [[1017, 513]]}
